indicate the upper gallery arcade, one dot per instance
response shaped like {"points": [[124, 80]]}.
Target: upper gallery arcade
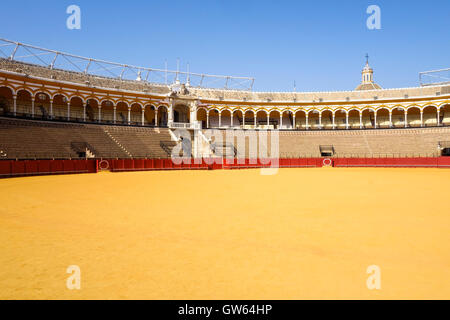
{"points": [[34, 91]]}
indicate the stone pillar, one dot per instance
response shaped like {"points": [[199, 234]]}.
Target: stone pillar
{"points": [[51, 108], [268, 119], [254, 122], [15, 104], [170, 113], [360, 120], [243, 119], [307, 123], [231, 120], [129, 115], [114, 114], [293, 122], [334, 121], [421, 118], [99, 113], [32, 107], [68, 110], [207, 119], [156, 117], [438, 117], [220, 119], [390, 119], [143, 116], [84, 112], [320, 121], [346, 120], [406, 118], [281, 121], [375, 119]]}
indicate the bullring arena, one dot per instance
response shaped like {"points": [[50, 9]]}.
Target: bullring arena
{"points": [[91, 178]]}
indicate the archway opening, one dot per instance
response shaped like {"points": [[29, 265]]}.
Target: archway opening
{"points": [[368, 118], [300, 120], [23, 103], [181, 113], [327, 119], [414, 117], [430, 116], [383, 118], [353, 119], [398, 117]]}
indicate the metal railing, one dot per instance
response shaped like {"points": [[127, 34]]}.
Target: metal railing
{"points": [[53, 59]]}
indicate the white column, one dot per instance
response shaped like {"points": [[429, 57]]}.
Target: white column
{"points": [[281, 121], [320, 121], [156, 117], [293, 121], [129, 115], [390, 119], [142, 116], [99, 113], [360, 120], [84, 112], [51, 108], [231, 119], [268, 119], [32, 107], [346, 120], [68, 110], [375, 119], [334, 121], [438, 117], [207, 119], [243, 120], [114, 114], [421, 118], [220, 119], [15, 104], [307, 124], [254, 122], [406, 118], [170, 114]]}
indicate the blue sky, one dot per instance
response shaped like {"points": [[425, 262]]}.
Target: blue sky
{"points": [[319, 44]]}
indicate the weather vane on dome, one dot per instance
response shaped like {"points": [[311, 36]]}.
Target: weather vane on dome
{"points": [[367, 58]]}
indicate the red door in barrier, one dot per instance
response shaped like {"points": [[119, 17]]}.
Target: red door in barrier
{"points": [[18, 167], [5, 167]]}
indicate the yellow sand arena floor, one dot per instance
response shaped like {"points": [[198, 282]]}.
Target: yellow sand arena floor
{"points": [[300, 234]]}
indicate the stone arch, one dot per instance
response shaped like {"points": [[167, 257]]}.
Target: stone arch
{"points": [[314, 119], [24, 104], [213, 118], [249, 117], [300, 120], [340, 118], [287, 119], [413, 116], [368, 118], [354, 118], [237, 119], [327, 119], [150, 114], [430, 116], [444, 114], [122, 112], [42, 104], [383, 120], [201, 116], [274, 118], [76, 108], [261, 117], [181, 113], [163, 115], [398, 117]]}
